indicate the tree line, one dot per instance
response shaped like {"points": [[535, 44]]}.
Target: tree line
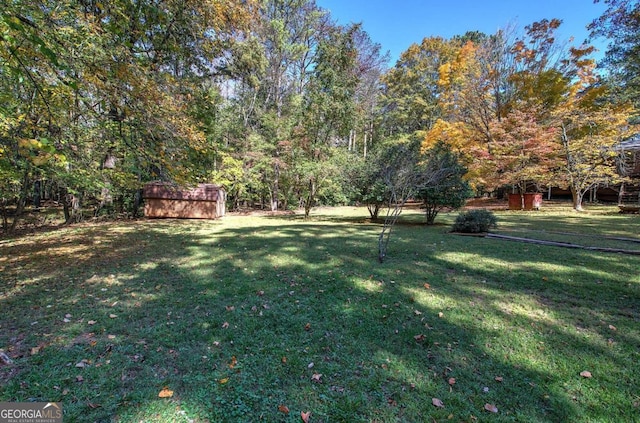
{"points": [[286, 108]]}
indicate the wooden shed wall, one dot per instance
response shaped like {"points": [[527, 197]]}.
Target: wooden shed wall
{"points": [[206, 201]]}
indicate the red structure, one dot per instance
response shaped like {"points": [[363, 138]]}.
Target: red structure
{"points": [[206, 201]]}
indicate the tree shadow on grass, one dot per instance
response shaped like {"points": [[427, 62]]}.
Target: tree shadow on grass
{"points": [[237, 321]]}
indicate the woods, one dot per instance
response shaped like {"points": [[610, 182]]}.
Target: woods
{"points": [[278, 103]]}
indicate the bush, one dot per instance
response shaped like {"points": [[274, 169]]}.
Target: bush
{"points": [[475, 221]]}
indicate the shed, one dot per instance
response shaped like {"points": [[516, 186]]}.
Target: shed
{"points": [[205, 201]]}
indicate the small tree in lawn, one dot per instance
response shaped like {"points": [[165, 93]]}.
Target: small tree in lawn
{"points": [[450, 190], [405, 174]]}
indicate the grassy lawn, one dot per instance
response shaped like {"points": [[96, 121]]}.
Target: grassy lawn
{"points": [[257, 318]]}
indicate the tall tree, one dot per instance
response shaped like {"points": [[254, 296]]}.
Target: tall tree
{"points": [[590, 127], [620, 24], [411, 91]]}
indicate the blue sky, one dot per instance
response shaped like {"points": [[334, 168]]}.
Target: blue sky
{"points": [[396, 24]]}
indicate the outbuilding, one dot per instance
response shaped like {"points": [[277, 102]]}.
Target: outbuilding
{"points": [[164, 200]]}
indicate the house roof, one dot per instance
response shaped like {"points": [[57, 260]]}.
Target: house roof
{"points": [[632, 143]]}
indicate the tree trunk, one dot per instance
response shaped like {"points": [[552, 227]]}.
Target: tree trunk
{"points": [[275, 188], [577, 196], [308, 205], [374, 210], [431, 212], [4, 211], [22, 201], [37, 194]]}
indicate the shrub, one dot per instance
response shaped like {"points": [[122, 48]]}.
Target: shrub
{"points": [[475, 221]]}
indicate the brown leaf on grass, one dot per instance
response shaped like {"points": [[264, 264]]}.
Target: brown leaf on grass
{"points": [[437, 402], [417, 312], [316, 377], [225, 325], [441, 315], [427, 286], [612, 327], [4, 359], [260, 293], [35, 350], [112, 316], [586, 374], [491, 408], [79, 378], [452, 381], [284, 360], [230, 308], [307, 327], [283, 409], [91, 322], [165, 393], [304, 415], [83, 363], [93, 405], [419, 338], [499, 379], [223, 381], [233, 362]]}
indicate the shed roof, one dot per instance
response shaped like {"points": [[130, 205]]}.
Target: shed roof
{"points": [[631, 143], [202, 192]]}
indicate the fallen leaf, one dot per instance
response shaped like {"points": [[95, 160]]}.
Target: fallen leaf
{"points": [[316, 377], [437, 402], [284, 360], [498, 378], [427, 286], [230, 308], [305, 416], [310, 365], [92, 405], [35, 350], [91, 322], [452, 381], [233, 362], [4, 358], [165, 393], [441, 314], [111, 336], [112, 316], [417, 312], [307, 327], [612, 327], [225, 325], [283, 409], [83, 363], [79, 378], [419, 338], [260, 293], [223, 381], [491, 408], [586, 374]]}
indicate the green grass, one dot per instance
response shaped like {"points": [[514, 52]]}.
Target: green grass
{"points": [[236, 316]]}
